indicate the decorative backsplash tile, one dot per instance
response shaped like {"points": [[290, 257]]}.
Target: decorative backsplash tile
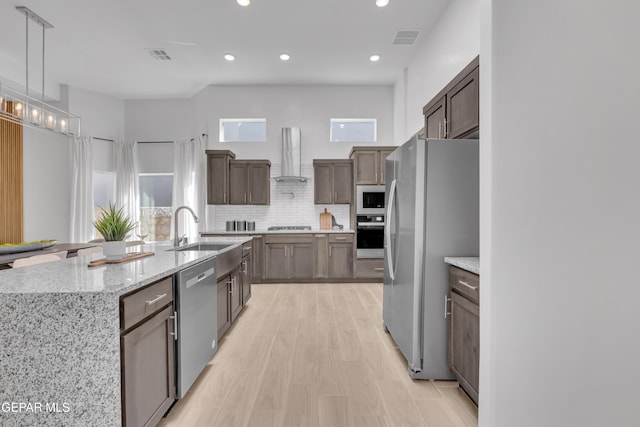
{"points": [[291, 204]]}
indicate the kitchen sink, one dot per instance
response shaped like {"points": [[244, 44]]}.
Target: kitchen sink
{"points": [[205, 247]]}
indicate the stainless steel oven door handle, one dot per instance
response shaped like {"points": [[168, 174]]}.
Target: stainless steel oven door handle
{"points": [[387, 230], [379, 225]]}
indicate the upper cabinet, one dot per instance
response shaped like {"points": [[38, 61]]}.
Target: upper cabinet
{"points": [[237, 182], [218, 176], [332, 181], [249, 182], [454, 112], [369, 164]]}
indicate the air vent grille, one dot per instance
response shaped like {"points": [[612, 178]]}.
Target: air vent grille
{"points": [[406, 37], [159, 54]]}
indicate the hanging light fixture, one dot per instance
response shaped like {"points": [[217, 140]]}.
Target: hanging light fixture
{"points": [[26, 110]]}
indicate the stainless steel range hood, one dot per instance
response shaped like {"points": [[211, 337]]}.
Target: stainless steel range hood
{"points": [[291, 157]]}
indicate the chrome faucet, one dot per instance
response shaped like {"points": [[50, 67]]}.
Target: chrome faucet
{"points": [[177, 240]]}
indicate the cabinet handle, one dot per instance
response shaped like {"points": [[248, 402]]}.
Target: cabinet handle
{"points": [[224, 197], [445, 128], [378, 269], [341, 238], [155, 300], [245, 197], [175, 326], [245, 267], [329, 250], [249, 197], [446, 306], [473, 288], [439, 130], [376, 175]]}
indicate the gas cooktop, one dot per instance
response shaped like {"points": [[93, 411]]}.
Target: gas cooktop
{"points": [[289, 227]]}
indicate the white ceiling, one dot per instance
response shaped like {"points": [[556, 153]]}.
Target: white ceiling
{"points": [[100, 45]]}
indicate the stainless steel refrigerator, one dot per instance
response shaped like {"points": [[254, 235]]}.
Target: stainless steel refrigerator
{"points": [[432, 211]]}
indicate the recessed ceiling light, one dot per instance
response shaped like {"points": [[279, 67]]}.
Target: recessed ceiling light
{"points": [[243, 3], [374, 58], [229, 57], [285, 56], [382, 3]]}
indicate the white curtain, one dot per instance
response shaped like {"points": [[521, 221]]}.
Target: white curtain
{"points": [[189, 185], [126, 166], [82, 190]]}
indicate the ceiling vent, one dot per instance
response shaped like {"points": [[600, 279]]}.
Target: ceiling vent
{"points": [[406, 37], [159, 54]]}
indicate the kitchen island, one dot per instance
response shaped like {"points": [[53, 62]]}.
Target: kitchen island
{"points": [[60, 343]]}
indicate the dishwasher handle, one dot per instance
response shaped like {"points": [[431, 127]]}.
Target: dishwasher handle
{"points": [[199, 278]]}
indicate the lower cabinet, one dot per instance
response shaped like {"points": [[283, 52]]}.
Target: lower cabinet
{"points": [[464, 329], [370, 268], [340, 261], [229, 300], [147, 354], [246, 273], [288, 256]]}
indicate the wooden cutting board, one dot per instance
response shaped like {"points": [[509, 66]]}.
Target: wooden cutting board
{"points": [[131, 256], [325, 220]]}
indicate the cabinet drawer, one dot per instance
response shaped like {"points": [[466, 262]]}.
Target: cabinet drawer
{"points": [[288, 238], [340, 237], [144, 302], [465, 283], [370, 268]]}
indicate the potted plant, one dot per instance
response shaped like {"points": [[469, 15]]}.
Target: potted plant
{"points": [[114, 225]]}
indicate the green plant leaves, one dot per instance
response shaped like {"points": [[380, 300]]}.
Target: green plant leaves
{"points": [[114, 224]]}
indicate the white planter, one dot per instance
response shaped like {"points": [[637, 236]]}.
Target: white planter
{"points": [[114, 250]]}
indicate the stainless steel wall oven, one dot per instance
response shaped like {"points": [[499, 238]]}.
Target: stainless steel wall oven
{"points": [[370, 236]]}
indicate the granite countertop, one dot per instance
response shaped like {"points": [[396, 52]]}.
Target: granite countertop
{"points": [[471, 264], [61, 333], [265, 231], [72, 275]]}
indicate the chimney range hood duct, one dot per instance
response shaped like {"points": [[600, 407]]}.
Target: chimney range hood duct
{"points": [[291, 155]]}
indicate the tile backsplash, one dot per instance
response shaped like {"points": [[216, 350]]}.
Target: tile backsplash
{"points": [[291, 204]]}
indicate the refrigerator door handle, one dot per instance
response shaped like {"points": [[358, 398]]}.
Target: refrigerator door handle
{"points": [[387, 229]]}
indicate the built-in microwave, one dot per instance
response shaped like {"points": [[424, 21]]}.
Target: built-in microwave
{"points": [[370, 199]]}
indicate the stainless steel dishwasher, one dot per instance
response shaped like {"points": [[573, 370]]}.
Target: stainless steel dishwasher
{"points": [[197, 322]]}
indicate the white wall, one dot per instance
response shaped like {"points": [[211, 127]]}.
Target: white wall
{"points": [[100, 115], [47, 184], [307, 107], [159, 119], [441, 55], [560, 331]]}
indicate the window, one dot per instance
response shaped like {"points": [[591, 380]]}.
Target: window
{"points": [[353, 130], [156, 195], [243, 130], [104, 184]]}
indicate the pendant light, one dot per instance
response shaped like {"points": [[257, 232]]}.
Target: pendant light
{"points": [[26, 110]]}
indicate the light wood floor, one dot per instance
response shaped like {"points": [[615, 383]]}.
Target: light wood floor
{"points": [[316, 355]]}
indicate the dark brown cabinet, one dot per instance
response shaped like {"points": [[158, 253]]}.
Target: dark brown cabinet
{"points": [[368, 163], [249, 182], [340, 260], [455, 111], [218, 176], [228, 273], [332, 181], [320, 256], [147, 354], [464, 329], [288, 257], [370, 268], [246, 272]]}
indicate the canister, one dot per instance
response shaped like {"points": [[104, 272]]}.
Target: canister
{"points": [[241, 225], [231, 226], [251, 226]]}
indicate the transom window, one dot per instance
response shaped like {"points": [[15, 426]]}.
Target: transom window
{"points": [[243, 130], [353, 130]]}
